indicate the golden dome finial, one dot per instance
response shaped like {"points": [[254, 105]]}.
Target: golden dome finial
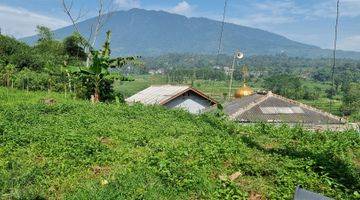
{"points": [[244, 90], [245, 73]]}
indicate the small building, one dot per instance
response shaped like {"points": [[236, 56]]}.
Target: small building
{"points": [[271, 108], [172, 96], [254, 107], [157, 71]]}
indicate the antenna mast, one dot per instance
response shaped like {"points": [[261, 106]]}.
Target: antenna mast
{"points": [[221, 32], [334, 55], [237, 55]]}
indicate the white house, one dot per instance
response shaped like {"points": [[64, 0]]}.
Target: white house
{"points": [[172, 96]]}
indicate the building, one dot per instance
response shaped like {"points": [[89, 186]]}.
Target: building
{"points": [[172, 96], [251, 107], [271, 108], [156, 71]]}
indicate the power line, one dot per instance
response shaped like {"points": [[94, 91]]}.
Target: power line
{"points": [[221, 31], [334, 53]]}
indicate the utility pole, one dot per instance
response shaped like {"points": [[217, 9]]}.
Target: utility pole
{"points": [[333, 92], [238, 55]]}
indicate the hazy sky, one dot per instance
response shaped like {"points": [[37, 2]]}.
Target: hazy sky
{"points": [[308, 21]]}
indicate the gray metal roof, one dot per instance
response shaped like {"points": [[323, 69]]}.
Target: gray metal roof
{"points": [[302, 194], [232, 107], [162, 94], [156, 94], [274, 108]]}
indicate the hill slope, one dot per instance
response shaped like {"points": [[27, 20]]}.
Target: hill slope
{"points": [[68, 150], [149, 33]]}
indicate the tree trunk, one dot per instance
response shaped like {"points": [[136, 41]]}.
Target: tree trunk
{"points": [[97, 90], [96, 96]]}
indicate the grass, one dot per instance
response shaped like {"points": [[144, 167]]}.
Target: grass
{"points": [[77, 150]]}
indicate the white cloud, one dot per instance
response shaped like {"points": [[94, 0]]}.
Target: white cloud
{"points": [[350, 43], [348, 8], [268, 13], [127, 4], [261, 20], [20, 22], [183, 8], [280, 7]]}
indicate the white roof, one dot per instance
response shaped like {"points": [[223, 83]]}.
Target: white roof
{"points": [[156, 94]]}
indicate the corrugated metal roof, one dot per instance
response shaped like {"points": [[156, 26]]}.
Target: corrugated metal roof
{"points": [[275, 108], [232, 107], [157, 94], [302, 194]]}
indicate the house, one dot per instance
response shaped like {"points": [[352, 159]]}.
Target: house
{"points": [[156, 71], [172, 96], [271, 108]]}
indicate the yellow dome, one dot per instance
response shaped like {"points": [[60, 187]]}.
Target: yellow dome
{"points": [[243, 91]]}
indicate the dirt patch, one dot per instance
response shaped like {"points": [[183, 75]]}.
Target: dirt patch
{"points": [[39, 159], [271, 145], [235, 175], [106, 141], [227, 163], [255, 196], [50, 101], [98, 170]]}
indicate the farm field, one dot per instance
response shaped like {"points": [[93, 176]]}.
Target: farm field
{"points": [[72, 149]]}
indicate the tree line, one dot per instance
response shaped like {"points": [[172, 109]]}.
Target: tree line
{"points": [[60, 66], [291, 77]]}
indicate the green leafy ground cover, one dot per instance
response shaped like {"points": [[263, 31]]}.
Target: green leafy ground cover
{"points": [[67, 150]]}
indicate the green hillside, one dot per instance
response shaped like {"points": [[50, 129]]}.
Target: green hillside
{"points": [[76, 150]]}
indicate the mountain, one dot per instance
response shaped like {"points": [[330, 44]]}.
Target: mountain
{"points": [[151, 33]]}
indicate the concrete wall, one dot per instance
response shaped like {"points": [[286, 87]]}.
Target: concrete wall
{"points": [[190, 102]]}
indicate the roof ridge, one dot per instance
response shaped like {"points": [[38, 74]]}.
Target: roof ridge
{"points": [[161, 85], [308, 107], [251, 105], [186, 90], [203, 94]]}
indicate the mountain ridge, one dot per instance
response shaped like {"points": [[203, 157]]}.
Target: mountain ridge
{"points": [[151, 33]]}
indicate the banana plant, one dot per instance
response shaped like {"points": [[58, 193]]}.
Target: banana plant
{"points": [[101, 63]]}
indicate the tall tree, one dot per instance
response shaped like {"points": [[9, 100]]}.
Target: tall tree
{"points": [[44, 33], [74, 46]]}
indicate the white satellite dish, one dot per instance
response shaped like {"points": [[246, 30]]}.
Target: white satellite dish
{"points": [[240, 55]]}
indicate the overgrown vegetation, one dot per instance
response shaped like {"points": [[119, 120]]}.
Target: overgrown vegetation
{"points": [[60, 66], [70, 149], [52, 65]]}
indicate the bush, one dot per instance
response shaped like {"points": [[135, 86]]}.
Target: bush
{"points": [[85, 88], [31, 80]]}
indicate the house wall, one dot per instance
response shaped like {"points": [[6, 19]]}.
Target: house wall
{"points": [[190, 102]]}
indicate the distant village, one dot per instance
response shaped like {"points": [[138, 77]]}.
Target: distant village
{"points": [[244, 106]]}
